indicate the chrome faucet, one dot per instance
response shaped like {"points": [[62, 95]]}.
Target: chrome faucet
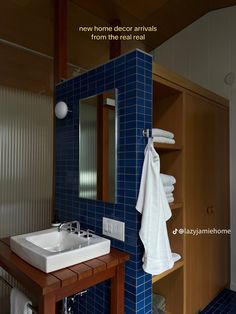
{"points": [[71, 226]]}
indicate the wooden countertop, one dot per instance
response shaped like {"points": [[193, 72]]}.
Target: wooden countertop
{"points": [[66, 281]]}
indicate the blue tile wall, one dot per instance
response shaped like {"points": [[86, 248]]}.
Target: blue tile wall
{"points": [[131, 74]]}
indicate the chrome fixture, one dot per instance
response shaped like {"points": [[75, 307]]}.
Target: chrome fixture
{"points": [[71, 226], [66, 303], [89, 233], [147, 133]]}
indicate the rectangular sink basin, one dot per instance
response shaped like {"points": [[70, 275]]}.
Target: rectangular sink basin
{"points": [[50, 250]]}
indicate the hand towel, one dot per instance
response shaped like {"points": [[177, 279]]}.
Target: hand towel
{"points": [[167, 180], [152, 204], [161, 139], [169, 188], [19, 302], [161, 132]]}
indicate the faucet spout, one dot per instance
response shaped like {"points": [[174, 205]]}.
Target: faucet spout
{"points": [[71, 226]]}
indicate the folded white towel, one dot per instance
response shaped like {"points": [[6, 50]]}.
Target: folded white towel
{"points": [[19, 302], [170, 199], [176, 257], [169, 188], [169, 195], [162, 139], [164, 133], [167, 179]]}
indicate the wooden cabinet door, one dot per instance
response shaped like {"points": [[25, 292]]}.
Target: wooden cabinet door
{"points": [[199, 192], [219, 218]]}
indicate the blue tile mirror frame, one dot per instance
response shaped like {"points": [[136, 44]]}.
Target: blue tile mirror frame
{"points": [[131, 74]]}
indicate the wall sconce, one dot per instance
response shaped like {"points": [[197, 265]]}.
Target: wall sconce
{"points": [[61, 110], [229, 78]]}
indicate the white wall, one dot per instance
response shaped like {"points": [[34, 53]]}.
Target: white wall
{"points": [[205, 52]]}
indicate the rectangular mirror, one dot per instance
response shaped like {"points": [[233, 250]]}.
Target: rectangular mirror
{"points": [[97, 147]]}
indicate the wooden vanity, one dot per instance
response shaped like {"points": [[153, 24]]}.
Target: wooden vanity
{"points": [[53, 287]]}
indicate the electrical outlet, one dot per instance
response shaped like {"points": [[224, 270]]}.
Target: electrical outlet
{"points": [[113, 228]]}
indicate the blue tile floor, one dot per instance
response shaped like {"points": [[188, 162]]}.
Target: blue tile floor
{"points": [[224, 303]]}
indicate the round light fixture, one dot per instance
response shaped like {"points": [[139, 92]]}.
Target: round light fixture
{"points": [[61, 110], [229, 78]]}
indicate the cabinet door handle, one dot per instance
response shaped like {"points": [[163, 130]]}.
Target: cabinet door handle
{"points": [[208, 210]]}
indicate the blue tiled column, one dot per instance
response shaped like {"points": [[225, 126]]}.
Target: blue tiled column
{"points": [[131, 74]]}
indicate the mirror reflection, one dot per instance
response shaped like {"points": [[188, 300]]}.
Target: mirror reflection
{"points": [[97, 147]]}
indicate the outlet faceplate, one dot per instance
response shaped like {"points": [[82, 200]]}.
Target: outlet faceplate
{"points": [[113, 228]]}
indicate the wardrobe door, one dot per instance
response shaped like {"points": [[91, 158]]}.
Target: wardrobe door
{"points": [[219, 270], [199, 191]]}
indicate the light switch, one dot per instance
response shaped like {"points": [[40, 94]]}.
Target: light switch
{"points": [[113, 228]]}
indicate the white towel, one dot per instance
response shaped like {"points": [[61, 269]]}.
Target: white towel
{"points": [[169, 195], [164, 133], [152, 204], [170, 199], [176, 257], [167, 180], [19, 302], [161, 139], [169, 188]]}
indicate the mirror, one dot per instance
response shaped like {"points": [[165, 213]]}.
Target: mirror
{"points": [[97, 147]]}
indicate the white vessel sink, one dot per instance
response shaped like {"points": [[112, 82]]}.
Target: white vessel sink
{"points": [[50, 250]]}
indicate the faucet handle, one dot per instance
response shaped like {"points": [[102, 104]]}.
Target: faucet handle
{"points": [[89, 233]]}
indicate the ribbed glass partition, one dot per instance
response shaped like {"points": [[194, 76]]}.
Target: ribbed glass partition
{"points": [[26, 165]]}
